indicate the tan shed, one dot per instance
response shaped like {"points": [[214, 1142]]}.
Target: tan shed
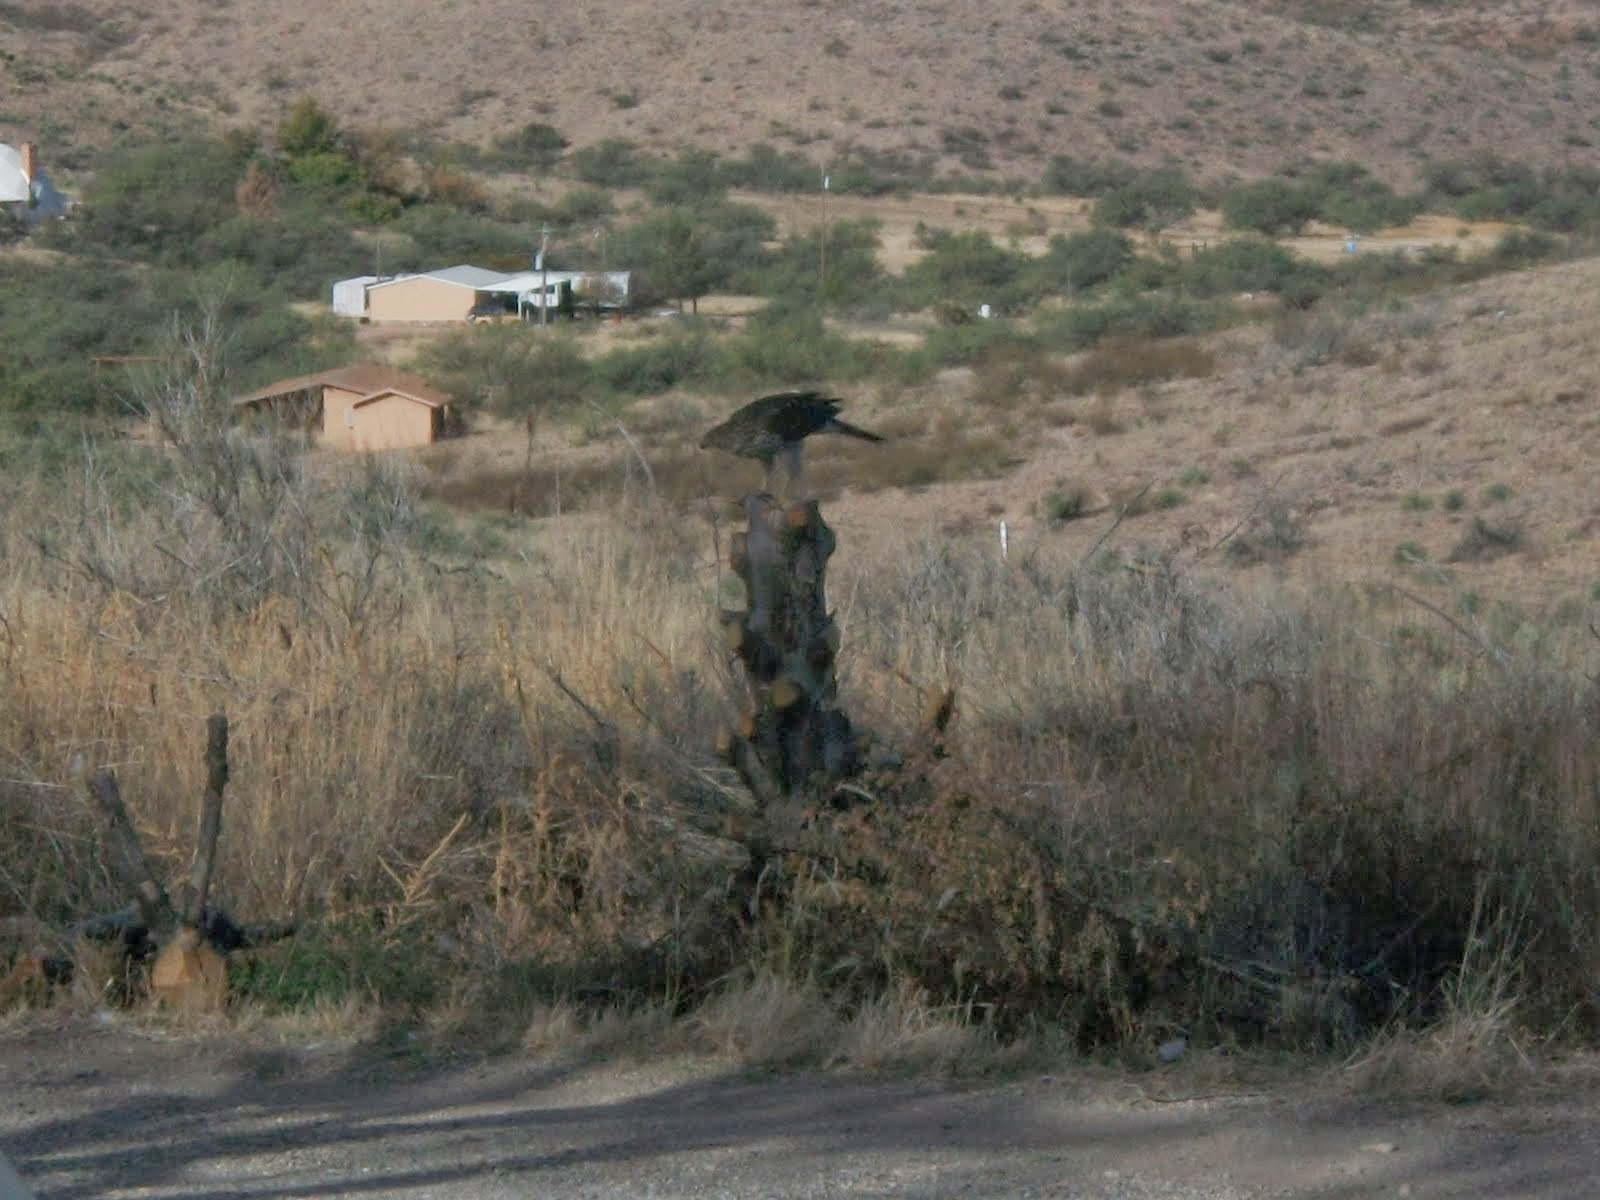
{"points": [[363, 407], [386, 420]]}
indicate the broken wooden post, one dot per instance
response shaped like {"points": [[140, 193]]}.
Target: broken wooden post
{"points": [[205, 846], [189, 971], [127, 856], [795, 738]]}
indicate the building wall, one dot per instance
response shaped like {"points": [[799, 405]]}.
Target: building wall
{"points": [[390, 422], [419, 299]]}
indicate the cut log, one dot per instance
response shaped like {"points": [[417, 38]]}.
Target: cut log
{"points": [[190, 975]]}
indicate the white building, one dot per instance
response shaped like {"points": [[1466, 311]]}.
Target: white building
{"points": [[23, 183]]}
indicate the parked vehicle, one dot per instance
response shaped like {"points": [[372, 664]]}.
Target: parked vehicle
{"points": [[492, 313]]}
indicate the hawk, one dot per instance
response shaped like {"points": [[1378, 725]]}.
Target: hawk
{"points": [[777, 426]]}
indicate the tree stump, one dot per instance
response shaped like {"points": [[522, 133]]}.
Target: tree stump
{"points": [[794, 739]]}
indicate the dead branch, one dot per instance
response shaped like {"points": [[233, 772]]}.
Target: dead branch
{"points": [[127, 856], [205, 847], [1479, 638], [1122, 515]]}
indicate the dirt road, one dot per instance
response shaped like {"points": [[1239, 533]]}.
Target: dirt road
{"points": [[113, 1113]]}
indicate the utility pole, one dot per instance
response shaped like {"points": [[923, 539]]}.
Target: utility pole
{"points": [[822, 253], [544, 276]]}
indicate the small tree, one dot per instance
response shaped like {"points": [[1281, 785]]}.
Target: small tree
{"points": [[535, 145], [1270, 207], [678, 264], [308, 129]]}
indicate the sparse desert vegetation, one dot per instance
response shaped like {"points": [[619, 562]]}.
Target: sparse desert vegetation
{"points": [[1276, 719]]}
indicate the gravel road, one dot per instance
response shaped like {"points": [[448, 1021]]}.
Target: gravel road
{"points": [[97, 1112]]}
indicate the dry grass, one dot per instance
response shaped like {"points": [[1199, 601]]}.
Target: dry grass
{"points": [[498, 797], [1251, 807]]}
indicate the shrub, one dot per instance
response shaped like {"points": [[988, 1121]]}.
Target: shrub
{"points": [[535, 145], [1254, 265], [612, 163], [1270, 207], [1151, 200], [1080, 261], [1274, 531], [1060, 507], [1089, 178], [768, 169], [967, 268], [440, 234], [881, 172], [855, 279], [1497, 493], [690, 179], [1147, 316], [1345, 194], [682, 358], [158, 201], [1485, 541], [780, 346]]}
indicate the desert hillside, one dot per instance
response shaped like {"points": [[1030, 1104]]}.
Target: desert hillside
{"points": [[1224, 88]]}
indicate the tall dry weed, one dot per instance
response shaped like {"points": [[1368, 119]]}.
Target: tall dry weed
{"points": [[1169, 803]]}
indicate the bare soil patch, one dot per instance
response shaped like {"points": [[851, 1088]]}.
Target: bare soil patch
{"points": [[124, 1112]]}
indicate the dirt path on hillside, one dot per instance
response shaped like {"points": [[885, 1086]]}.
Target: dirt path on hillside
{"points": [[117, 1113]]}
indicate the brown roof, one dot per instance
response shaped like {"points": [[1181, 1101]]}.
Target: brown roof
{"points": [[367, 379]]}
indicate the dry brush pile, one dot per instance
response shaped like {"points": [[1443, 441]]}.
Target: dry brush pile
{"points": [[1168, 804]]}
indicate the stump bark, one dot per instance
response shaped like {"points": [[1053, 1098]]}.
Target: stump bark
{"points": [[794, 739]]}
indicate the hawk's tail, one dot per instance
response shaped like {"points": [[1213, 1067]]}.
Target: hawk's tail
{"points": [[835, 425]]}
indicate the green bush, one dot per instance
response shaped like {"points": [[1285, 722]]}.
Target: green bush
{"points": [[685, 357], [688, 180], [855, 279], [767, 169], [1151, 200], [157, 202], [1061, 507], [1254, 265], [1067, 176], [976, 342], [1486, 187], [441, 235], [1270, 207], [1146, 316], [882, 172], [965, 268], [1345, 194], [782, 347], [1080, 261], [535, 145], [612, 163]]}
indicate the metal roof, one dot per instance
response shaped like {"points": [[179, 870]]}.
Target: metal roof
{"points": [[478, 278]]}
